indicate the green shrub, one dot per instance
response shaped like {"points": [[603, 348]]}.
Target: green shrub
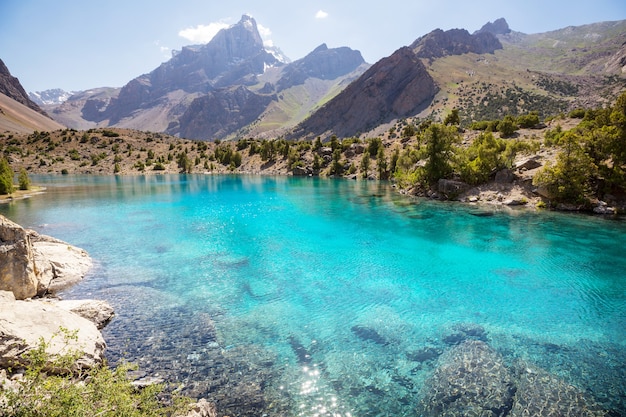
{"points": [[6, 177], [101, 391], [23, 180]]}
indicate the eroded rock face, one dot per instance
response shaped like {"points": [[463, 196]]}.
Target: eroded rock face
{"points": [[33, 264], [17, 266], [23, 324], [59, 264]]}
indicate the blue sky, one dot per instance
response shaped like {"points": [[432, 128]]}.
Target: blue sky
{"points": [[79, 44]]}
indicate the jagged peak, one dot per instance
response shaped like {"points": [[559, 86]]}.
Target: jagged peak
{"points": [[322, 47], [248, 22], [439, 43], [497, 27]]}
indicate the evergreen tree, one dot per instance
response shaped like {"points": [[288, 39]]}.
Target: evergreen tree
{"points": [[440, 143], [23, 180], [6, 177]]}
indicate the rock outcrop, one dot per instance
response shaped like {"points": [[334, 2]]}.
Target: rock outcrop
{"points": [[18, 272], [396, 86], [98, 312], [33, 265], [497, 27], [25, 324], [439, 43]]}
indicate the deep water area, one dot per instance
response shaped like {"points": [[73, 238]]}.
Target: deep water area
{"points": [[309, 296]]}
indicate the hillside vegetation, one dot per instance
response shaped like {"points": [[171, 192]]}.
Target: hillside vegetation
{"points": [[576, 161]]}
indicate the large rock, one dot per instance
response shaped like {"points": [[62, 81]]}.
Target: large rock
{"points": [[17, 265], [33, 264], [98, 312], [451, 188], [541, 394], [471, 379], [59, 263], [25, 324]]}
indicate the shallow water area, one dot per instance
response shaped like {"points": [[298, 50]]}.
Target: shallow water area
{"points": [[307, 296]]}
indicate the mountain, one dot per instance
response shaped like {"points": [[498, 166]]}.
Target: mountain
{"points": [[486, 75], [394, 87], [438, 43], [234, 87], [11, 87], [550, 73], [16, 117], [323, 64], [217, 90], [51, 97]]}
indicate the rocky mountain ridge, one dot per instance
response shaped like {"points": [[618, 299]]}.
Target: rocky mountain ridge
{"points": [[224, 80], [51, 97], [11, 87], [394, 87], [233, 87]]}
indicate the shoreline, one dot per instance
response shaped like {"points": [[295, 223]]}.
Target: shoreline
{"points": [[514, 194], [22, 194]]}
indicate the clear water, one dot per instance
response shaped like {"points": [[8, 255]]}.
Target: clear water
{"points": [[291, 296]]}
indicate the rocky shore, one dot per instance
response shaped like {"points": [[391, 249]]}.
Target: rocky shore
{"points": [[33, 268]]}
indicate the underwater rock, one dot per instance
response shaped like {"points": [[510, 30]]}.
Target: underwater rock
{"points": [[369, 334], [471, 379], [423, 355], [541, 394], [465, 331], [303, 355]]}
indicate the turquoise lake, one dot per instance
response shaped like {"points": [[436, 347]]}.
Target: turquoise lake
{"points": [[307, 296]]}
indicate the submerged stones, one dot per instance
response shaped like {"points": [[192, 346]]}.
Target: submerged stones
{"points": [[369, 334], [472, 379], [542, 394]]}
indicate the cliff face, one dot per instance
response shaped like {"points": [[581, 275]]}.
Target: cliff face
{"points": [[220, 112], [234, 56], [396, 86], [11, 87]]}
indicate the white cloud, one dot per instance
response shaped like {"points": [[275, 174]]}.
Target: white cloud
{"points": [[202, 33], [266, 34], [321, 14]]}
